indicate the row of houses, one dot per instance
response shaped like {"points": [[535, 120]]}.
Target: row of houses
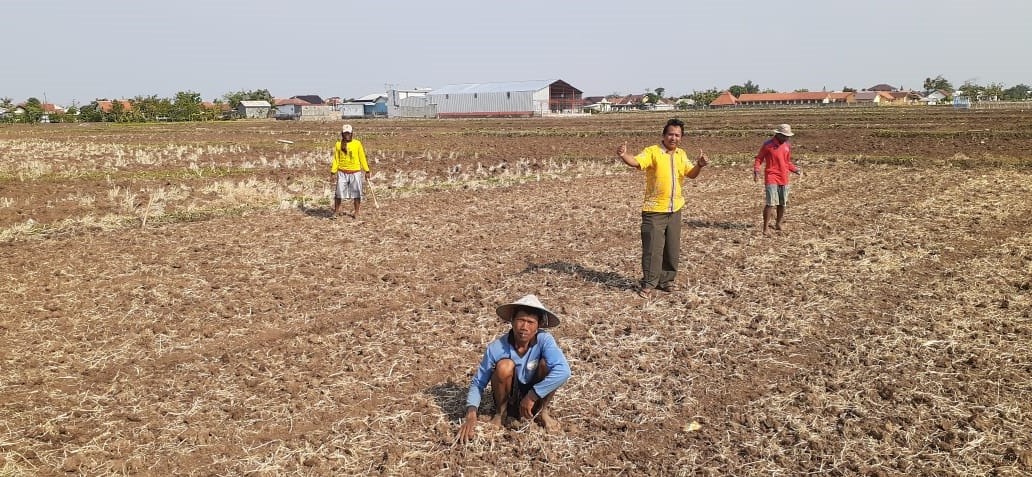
{"points": [[510, 99], [530, 99], [314, 108], [876, 95]]}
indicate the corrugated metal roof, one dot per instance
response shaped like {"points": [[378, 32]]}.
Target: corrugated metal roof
{"points": [[372, 97], [467, 88], [256, 104]]}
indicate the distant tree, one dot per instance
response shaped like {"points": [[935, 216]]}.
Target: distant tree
{"points": [[847, 89], [932, 84], [993, 91], [91, 113], [213, 112], [659, 92], [118, 113], [234, 98], [7, 105], [33, 111], [186, 106], [70, 115], [704, 98], [972, 90], [736, 90], [151, 108], [684, 102], [1021, 92], [750, 87], [802, 90]]}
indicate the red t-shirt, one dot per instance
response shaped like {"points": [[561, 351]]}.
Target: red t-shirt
{"points": [[777, 159]]}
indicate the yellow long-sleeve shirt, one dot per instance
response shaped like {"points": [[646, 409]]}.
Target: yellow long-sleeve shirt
{"points": [[663, 177], [350, 159]]}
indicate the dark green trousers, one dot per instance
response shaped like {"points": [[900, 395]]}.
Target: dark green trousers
{"points": [[660, 247]]}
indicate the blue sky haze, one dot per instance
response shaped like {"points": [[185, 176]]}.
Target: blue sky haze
{"points": [[82, 50]]}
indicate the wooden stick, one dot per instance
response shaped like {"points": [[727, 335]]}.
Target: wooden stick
{"points": [[372, 194]]}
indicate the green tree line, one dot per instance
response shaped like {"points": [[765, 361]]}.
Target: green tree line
{"points": [[970, 89], [184, 106]]}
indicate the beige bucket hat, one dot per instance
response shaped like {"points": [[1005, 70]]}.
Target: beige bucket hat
{"points": [[784, 129], [505, 312]]}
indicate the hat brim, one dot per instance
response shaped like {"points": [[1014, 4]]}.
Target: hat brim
{"points": [[783, 133], [505, 313]]}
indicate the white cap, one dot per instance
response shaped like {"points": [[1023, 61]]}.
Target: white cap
{"points": [[346, 128]]}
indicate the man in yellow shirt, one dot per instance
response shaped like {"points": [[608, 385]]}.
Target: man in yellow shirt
{"points": [[349, 169], [665, 166]]}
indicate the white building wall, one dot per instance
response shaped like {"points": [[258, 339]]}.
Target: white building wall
{"points": [[494, 102], [352, 110], [318, 113]]}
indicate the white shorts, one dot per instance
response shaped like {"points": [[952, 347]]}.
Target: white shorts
{"points": [[349, 185]]}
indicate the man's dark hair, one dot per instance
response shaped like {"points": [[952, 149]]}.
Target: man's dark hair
{"points": [[540, 315], [674, 122]]}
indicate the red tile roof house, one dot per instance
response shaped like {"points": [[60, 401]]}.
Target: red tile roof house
{"points": [[725, 100], [51, 108], [105, 106]]}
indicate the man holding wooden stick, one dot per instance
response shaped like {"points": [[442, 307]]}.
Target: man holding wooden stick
{"points": [[349, 168]]}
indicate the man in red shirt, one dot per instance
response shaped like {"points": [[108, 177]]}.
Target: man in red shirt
{"points": [[776, 157]]}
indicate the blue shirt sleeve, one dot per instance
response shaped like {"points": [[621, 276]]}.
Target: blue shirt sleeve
{"points": [[483, 375], [558, 367]]}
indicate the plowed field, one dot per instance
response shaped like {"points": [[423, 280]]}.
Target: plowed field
{"points": [[176, 301]]}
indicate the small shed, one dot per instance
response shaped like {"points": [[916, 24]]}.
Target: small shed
{"points": [[253, 109]]}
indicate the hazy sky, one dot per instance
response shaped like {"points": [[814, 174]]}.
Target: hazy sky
{"points": [[87, 49]]}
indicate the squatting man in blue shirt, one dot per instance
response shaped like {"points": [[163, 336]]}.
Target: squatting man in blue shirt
{"points": [[524, 366]]}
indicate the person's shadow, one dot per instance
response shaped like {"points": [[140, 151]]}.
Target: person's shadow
{"points": [[451, 398], [609, 279], [717, 225], [316, 211]]}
